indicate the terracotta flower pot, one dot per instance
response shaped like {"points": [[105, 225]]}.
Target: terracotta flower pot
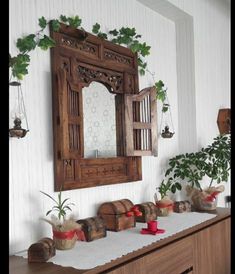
{"points": [[206, 199]]}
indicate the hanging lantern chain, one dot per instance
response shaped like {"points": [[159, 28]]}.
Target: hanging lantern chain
{"points": [[24, 109], [167, 100], [166, 107]]}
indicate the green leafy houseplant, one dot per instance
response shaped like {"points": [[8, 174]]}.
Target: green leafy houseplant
{"points": [[60, 206], [64, 230], [212, 162], [165, 204], [168, 186]]}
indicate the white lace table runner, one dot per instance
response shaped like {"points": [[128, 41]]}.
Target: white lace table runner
{"points": [[86, 255]]}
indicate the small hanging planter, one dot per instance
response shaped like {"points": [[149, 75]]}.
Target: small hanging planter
{"points": [[166, 133], [166, 127]]}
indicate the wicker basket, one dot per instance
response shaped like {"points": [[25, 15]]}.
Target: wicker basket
{"points": [[64, 240]]}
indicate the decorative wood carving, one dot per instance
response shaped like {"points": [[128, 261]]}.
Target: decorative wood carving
{"points": [[114, 80], [74, 43], [110, 55], [78, 59]]}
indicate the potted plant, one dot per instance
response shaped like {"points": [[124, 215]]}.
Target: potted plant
{"points": [[212, 162], [64, 230], [165, 204]]}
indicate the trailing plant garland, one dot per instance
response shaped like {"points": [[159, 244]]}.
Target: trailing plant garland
{"points": [[124, 36]]}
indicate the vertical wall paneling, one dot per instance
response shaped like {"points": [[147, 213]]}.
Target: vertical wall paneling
{"points": [[203, 67], [31, 158]]}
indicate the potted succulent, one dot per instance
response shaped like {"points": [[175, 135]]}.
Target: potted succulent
{"points": [[65, 231], [165, 204], [212, 162]]}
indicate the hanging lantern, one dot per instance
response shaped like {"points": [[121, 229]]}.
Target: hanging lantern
{"points": [[166, 127], [18, 112]]}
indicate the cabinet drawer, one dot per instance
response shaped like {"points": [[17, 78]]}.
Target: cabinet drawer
{"points": [[175, 258]]}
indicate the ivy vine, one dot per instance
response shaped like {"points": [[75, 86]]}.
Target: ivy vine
{"points": [[123, 36], [129, 38]]}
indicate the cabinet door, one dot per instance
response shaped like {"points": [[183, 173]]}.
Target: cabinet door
{"points": [[212, 246], [175, 258]]}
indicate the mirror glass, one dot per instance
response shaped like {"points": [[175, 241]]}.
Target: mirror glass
{"points": [[99, 121]]}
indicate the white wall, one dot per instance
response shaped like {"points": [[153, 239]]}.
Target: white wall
{"points": [[212, 50], [31, 158]]}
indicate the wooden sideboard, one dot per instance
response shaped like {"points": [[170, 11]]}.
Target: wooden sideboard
{"points": [[202, 249]]}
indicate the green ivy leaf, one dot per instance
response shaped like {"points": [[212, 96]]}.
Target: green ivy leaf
{"points": [[145, 50], [26, 44], [74, 21], [159, 84], [113, 32], [19, 65], [55, 25], [19, 70], [46, 42], [42, 22], [135, 47], [164, 109], [102, 35], [96, 28], [126, 40], [161, 95], [23, 58], [63, 18], [127, 32], [12, 61]]}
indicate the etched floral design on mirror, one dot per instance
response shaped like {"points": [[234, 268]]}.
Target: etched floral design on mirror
{"points": [[99, 121]]}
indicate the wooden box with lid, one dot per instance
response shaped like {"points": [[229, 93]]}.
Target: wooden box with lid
{"points": [[149, 212], [93, 228], [115, 215], [41, 251]]}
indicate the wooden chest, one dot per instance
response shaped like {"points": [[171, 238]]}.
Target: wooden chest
{"points": [[93, 228], [115, 215], [182, 206], [149, 212], [42, 250]]}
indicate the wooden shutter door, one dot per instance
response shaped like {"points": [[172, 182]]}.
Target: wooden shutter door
{"points": [[141, 123], [70, 117]]}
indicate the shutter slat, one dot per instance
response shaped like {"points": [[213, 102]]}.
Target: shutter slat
{"points": [[141, 123], [71, 127]]}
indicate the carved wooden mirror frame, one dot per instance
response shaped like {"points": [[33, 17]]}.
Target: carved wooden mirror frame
{"points": [[78, 59]]}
